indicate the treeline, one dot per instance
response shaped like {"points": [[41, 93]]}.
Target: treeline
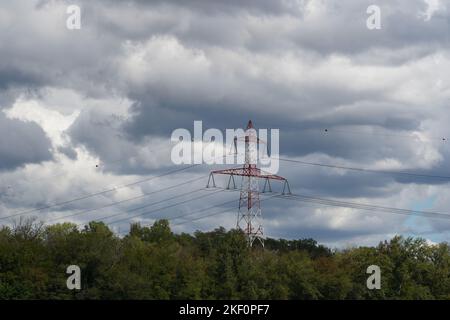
{"points": [[154, 263]]}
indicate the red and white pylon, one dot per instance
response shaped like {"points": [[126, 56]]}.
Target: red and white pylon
{"points": [[249, 213]]}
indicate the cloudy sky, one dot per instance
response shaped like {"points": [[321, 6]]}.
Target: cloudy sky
{"points": [[91, 110]]}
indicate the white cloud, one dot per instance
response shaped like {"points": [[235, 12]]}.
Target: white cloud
{"points": [[432, 7]]}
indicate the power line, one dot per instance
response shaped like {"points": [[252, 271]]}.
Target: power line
{"points": [[134, 209], [148, 205], [200, 210], [105, 191], [211, 207], [362, 206], [98, 165], [209, 215], [100, 192], [333, 203], [330, 202], [125, 200], [411, 174], [162, 208]]}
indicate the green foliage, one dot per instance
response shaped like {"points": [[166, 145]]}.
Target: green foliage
{"points": [[154, 263]]}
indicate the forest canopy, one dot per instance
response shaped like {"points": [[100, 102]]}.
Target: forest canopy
{"points": [[155, 263]]}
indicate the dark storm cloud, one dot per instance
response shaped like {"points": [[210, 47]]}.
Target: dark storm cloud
{"points": [[340, 28], [11, 77], [22, 143], [216, 6], [69, 152], [99, 134], [343, 29]]}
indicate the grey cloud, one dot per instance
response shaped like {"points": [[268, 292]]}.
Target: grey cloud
{"points": [[22, 143], [12, 77], [229, 7], [70, 152]]}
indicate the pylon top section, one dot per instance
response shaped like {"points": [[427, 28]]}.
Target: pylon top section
{"points": [[249, 169]]}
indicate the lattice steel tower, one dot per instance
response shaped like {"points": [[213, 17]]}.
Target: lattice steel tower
{"points": [[249, 212]]}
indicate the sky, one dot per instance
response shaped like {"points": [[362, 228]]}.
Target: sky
{"points": [[91, 111]]}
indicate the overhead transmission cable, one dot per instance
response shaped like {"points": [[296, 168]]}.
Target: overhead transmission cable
{"points": [[328, 202], [157, 209], [411, 174], [198, 211], [105, 191], [99, 193], [124, 200], [212, 214], [363, 206], [211, 207]]}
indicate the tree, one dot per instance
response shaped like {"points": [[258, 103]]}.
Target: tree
{"points": [[154, 263]]}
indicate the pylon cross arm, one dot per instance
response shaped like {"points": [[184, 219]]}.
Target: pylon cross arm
{"points": [[248, 173]]}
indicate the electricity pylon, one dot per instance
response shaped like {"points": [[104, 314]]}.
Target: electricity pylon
{"points": [[249, 212]]}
